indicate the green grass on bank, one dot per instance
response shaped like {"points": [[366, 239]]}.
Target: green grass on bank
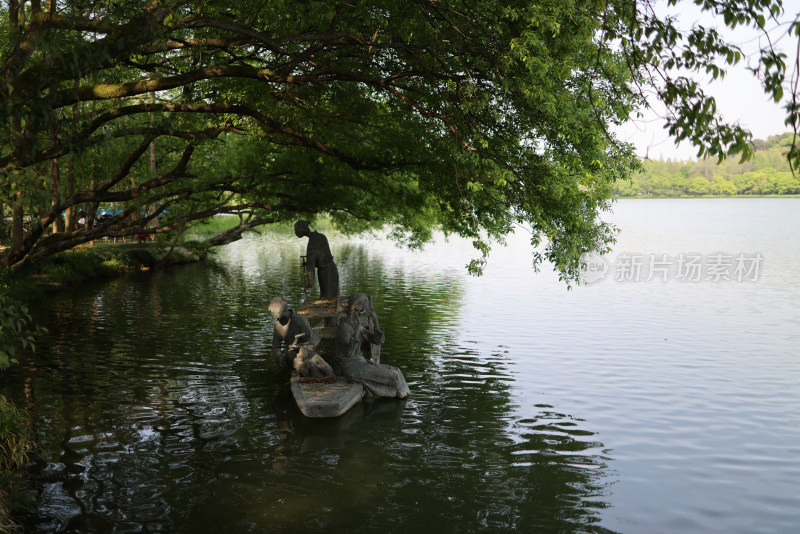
{"points": [[16, 444], [213, 226], [104, 260]]}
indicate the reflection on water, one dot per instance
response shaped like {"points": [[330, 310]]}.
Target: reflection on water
{"points": [[157, 409], [630, 407]]}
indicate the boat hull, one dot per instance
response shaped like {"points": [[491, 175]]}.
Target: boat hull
{"points": [[320, 398]]}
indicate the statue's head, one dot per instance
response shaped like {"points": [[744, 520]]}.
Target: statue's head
{"points": [[359, 303], [301, 228], [279, 309]]}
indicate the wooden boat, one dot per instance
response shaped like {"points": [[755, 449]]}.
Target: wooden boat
{"points": [[325, 397]]}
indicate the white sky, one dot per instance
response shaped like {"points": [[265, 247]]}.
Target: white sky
{"points": [[740, 97]]}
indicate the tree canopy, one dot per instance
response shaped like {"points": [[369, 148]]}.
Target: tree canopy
{"points": [[468, 116]]}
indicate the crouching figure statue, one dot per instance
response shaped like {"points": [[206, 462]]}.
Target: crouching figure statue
{"points": [[289, 331], [308, 364]]}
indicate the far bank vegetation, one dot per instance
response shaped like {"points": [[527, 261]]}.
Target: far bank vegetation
{"points": [[766, 173]]}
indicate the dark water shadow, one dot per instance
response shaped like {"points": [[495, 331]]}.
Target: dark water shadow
{"points": [[156, 396]]}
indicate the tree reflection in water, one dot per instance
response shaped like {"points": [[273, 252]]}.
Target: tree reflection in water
{"points": [[155, 395]]}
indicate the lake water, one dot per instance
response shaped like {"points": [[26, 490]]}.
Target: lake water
{"points": [[662, 397]]}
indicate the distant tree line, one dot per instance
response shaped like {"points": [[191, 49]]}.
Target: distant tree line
{"points": [[766, 173]]}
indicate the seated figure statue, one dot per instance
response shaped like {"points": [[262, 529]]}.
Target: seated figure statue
{"points": [[357, 328], [289, 331], [308, 364]]}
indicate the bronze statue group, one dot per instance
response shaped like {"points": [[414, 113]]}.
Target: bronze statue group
{"points": [[294, 342]]}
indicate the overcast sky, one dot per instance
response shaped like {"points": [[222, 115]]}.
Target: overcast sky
{"points": [[740, 97]]}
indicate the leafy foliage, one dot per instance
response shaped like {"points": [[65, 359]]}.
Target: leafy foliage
{"points": [[16, 443], [17, 331], [469, 117]]}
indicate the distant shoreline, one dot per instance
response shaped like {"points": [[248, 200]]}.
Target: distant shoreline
{"points": [[699, 197]]}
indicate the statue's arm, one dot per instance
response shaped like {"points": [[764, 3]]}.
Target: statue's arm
{"points": [[374, 333], [311, 261], [276, 343], [374, 317]]}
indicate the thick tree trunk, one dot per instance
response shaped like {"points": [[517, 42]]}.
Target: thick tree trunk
{"points": [[55, 179], [71, 219], [152, 208], [17, 229]]}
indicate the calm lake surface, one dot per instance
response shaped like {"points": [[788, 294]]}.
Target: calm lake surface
{"points": [[662, 397]]}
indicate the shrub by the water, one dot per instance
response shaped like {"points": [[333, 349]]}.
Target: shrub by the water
{"points": [[138, 257], [17, 331], [15, 446]]}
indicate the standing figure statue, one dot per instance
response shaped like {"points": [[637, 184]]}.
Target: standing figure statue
{"points": [[319, 258], [360, 327], [290, 330]]}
